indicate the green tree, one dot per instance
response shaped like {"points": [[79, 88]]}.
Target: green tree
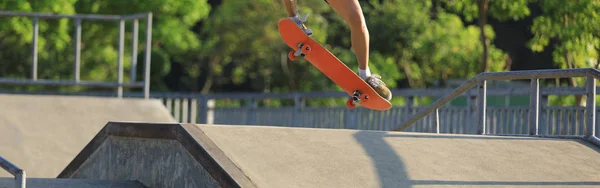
{"points": [[173, 37], [426, 47], [16, 40], [248, 47], [573, 26], [481, 10]]}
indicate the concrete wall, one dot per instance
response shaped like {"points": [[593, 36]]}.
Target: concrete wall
{"points": [[153, 162]]}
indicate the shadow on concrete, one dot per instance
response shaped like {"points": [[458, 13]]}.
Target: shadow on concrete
{"points": [[390, 167], [392, 172]]}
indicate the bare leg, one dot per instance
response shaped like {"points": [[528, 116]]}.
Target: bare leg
{"points": [[352, 13], [290, 7]]}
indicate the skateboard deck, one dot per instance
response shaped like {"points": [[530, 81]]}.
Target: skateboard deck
{"points": [[360, 92]]}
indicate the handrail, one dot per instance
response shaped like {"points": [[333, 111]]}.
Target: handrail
{"points": [[15, 171], [534, 75], [76, 81], [73, 16]]}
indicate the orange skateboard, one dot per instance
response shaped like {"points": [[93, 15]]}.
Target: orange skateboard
{"points": [[302, 45]]}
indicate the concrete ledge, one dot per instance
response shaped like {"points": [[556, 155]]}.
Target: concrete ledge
{"points": [[594, 140], [185, 135]]}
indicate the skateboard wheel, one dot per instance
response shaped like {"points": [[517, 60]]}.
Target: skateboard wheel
{"points": [[349, 104], [291, 56], [306, 49]]}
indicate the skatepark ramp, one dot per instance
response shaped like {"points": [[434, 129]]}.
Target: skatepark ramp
{"points": [[198, 155], [42, 133]]}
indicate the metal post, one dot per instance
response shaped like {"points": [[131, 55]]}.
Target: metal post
{"points": [[134, 49], [534, 106], [251, 111], [210, 111], [77, 49], [34, 54], [20, 179], [298, 105], [471, 104], [543, 129], [481, 107], [437, 121], [590, 107], [147, 66], [202, 110], [120, 65]]}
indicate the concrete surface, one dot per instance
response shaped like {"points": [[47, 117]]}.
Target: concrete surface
{"points": [[305, 157], [70, 183], [262, 156], [42, 134]]}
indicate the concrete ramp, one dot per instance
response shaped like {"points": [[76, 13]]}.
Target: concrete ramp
{"points": [[42, 134], [188, 155]]}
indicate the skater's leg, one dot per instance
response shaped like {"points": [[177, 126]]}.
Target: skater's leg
{"points": [[292, 13], [352, 13], [290, 7]]}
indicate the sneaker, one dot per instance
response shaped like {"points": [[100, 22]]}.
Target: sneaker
{"points": [[379, 86], [300, 23]]}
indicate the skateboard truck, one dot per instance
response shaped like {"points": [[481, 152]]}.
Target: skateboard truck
{"points": [[302, 51], [356, 98]]}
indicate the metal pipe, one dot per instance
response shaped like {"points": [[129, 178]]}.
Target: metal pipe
{"points": [[34, 52], [590, 121], [148, 52], [9, 81], [481, 107], [120, 63], [534, 106], [529, 74], [77, 49], [443, 100], [134, 49], [71, 16], [20, 177], [437, 121]]}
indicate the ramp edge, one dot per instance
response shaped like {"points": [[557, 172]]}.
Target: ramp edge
{"points": [[201, 152]]}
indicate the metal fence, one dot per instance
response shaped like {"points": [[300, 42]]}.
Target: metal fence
{"points": [[589, 129], [76, 81], [509, 120]]}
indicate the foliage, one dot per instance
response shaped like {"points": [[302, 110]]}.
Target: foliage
{"points": [[234, 46], [571, 26]]}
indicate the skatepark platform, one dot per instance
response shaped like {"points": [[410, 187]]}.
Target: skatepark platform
{"points": [[65, 141], [190, 155], [42, 133]]}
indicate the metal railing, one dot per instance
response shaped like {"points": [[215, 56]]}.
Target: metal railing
{"points": [[76, 81], [591, 129], [20, 177], [503, 118]]}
